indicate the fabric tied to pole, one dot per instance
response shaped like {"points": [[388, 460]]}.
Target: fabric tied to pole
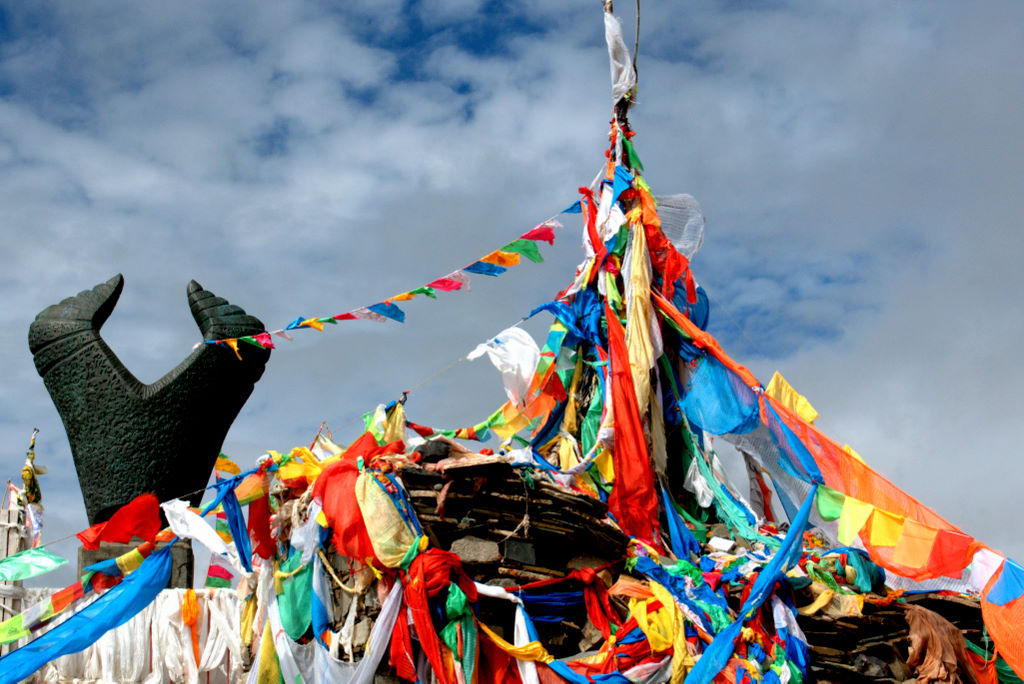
{"points": [[623, 76], [633, 500], [515, 354], [259, 527]]}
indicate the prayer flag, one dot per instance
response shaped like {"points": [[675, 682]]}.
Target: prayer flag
{"points": [[543, 232], [226, 465], [233, 343], [223, 531], [139, 518], [484, 268], [830, 503], [28, 563], [217, 575], [782, 392], [633, 500], [502, 258], [264, 339], [853, 517], [445, 284], [388, 311], [885, 528], [528, 248], [914, 545]]}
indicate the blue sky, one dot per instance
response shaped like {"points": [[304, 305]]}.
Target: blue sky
{"points": [[859, 166]]}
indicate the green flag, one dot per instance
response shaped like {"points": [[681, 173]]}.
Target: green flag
{"points": [[631, 155], [528, 248], [28, 563], [830, 503]]}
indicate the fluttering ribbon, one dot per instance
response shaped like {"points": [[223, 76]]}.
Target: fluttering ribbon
{"points": [[493, 264]]}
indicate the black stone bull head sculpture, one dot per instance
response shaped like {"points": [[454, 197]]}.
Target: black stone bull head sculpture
{"points": [[127, 437]]}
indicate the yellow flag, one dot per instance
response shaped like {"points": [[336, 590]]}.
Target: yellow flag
{"points": [[512, 421], [567, 451], [885, 528], [915, 544], [233, 343], [638, 326], [682, 661], [533, 650], [855, 514], [605, 465], [849, 449], [268, 671], [226, 465], [499, 258], [394, 429], [782, 392]]}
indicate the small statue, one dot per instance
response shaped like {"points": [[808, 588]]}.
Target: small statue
{"points": [[30, 494]]}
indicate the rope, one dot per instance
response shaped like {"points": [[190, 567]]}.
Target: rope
{"points": [[636, 42], [524, 524], [439, 373], [736, 323], [334, 575]]}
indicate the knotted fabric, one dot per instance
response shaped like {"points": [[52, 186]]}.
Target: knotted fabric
{"points": [[430, 573]]}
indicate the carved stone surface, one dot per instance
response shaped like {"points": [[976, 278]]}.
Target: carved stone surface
{"points": [[127, 437]]}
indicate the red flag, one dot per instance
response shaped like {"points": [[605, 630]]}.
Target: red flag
{"points": [[951, 553], [445, 284], [138, 518], [259, 527], [541, 232], [632, 501], [590, 212], [421, 430], [335, 488]]}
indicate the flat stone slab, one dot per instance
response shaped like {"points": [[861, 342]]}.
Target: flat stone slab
{"points": [[182, 560], [475, 550]]}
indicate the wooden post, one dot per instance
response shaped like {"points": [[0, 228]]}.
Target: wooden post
{"points": [[12, 540]]}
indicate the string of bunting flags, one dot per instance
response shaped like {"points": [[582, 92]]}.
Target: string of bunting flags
{"points": [[492, 264]]}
